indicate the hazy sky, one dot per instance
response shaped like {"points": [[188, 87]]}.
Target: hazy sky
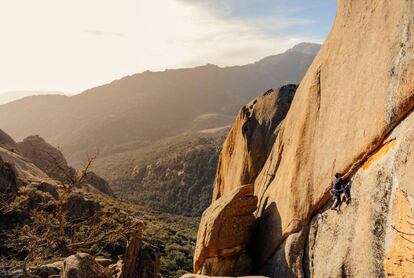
{"points": [[73, 45]]}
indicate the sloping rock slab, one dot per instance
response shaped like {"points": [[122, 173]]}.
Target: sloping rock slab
{"points": [[224, 234]]}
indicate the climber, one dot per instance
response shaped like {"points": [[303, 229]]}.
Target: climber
{"points": [[339, 187]]}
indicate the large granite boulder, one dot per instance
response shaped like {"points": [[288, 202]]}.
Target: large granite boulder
{"points": [[82, 265], [359, 89], [46, 157], [224, 235], [250, 139]]}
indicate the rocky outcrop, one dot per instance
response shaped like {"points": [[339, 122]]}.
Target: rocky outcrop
{"points": [[45, 156], [83, 265], [140, 260], [224, 235], [351, 114], [8, 182], [47, 188], [372, 237], [52, 161], [25, 169], [7, 142], [348, 102], [78, 207], [251, 139], [98, 183]]}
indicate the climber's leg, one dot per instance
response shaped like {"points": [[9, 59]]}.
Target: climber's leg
{"points": [[347, 194], [337, 204]]}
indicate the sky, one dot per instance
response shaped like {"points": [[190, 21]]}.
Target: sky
{"points": [[73, 45]]}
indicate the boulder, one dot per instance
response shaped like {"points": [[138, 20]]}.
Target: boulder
{"points": [[82, 265], [78, 207], [140, 260], [52, 161], [98, 183], [8, 179], [250, 139], [48, 158], [224, 235], [48, 188]]}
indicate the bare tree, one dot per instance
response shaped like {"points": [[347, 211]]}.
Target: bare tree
{"points": [[70, 179]]}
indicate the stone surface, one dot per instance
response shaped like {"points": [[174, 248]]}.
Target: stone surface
{"points": [[8, 182], [374, 235], [224, 235], [48, 188], [25, 169], [140, 260], [52, 161], [7, 142], [359, 87], [46, 157], [82, 265], [251, 139], [95, 181], [358, 90], [78, 207]]}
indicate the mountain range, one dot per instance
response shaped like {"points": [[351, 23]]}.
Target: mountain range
{"points": [[142, 108], [7, 97]]}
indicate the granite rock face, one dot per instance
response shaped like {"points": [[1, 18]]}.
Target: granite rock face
{"points": [[374, 235], [359, 87], [226, 228], [251, 138], [352, 113]]}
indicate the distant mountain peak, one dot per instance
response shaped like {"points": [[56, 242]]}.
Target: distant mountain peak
{"points": [[306, 48], [7, 97]]}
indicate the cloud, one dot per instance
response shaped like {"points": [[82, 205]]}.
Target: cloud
{"points": [[43, 48]]}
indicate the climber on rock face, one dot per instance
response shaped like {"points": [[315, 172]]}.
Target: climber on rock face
{"points": [[339, 187]]}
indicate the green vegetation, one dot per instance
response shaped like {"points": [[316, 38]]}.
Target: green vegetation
{"points": [[175, 175], [174, 237], [29, 229]]}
